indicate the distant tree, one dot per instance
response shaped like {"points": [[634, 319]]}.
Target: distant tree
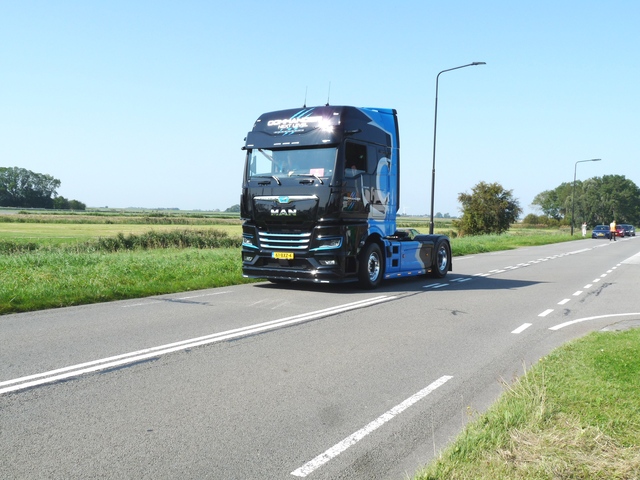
{"points": [[555, 203], [233, 209], [438, 215], [602, 199], [23, 188], [446, 215], [77, 205], [488, 209], [61, 203]]}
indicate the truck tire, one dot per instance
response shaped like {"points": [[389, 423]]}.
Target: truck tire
{"points": [[371, 267], [441, 259]]}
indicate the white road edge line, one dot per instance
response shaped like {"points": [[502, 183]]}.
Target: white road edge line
{"points": [[566, 324], [546, 312], [115, 361], [563, 302], [354, 438], [635, 259]]}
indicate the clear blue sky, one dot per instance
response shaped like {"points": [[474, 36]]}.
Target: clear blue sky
{"points": [[146, 103]]}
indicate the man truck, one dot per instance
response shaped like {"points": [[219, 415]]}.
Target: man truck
{"points": [[320, 196]]}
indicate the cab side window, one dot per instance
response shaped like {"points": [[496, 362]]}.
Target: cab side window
{"points": [[355, 159]]}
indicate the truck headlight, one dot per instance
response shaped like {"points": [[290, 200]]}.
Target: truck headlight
{"points": [[248, 240], [328, 243]]}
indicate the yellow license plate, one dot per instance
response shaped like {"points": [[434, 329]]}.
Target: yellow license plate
{"points": [[283, 255]]}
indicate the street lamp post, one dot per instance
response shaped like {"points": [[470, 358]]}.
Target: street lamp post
{"points": [[435, 123], [573, 192]]}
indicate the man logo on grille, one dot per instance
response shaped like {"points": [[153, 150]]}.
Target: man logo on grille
{"points": [[284, 211]]}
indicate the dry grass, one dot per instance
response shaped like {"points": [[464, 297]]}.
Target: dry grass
{"points": [[567, 449]]}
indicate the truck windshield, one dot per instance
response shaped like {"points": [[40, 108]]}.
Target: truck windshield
{"points": [[317, 162]]}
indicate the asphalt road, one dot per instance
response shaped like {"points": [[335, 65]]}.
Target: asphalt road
{"points": [[260, 381]]}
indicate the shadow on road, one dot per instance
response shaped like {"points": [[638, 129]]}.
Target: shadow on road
{"points": [[407, 285]]}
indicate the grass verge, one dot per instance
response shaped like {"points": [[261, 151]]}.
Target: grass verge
{"points": [[507, 241], [48, 279], [575, 415]]}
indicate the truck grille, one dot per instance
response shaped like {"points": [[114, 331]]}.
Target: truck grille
{"points": [[284, 241]]}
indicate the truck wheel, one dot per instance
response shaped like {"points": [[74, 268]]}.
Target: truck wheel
{"points": [[442, 259], [371, 268]]}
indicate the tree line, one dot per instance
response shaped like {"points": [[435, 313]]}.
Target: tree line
{"points": [[598, 200], [22, 188], [490, 208]]}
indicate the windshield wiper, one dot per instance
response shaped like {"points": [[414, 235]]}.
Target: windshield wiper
{"points": [[268, 176], [307, 175]]}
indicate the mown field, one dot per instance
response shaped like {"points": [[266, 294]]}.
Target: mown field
{"points": [[50, 229], [50, 234]]}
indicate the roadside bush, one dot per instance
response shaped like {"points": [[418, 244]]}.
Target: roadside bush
{"points": [[199, 239], [175, 239], [489, 209], [8, 247], [534, 220]]}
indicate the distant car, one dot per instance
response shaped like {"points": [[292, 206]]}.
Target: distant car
{"points": [[601, 231], [619, 231], [629, 230]]}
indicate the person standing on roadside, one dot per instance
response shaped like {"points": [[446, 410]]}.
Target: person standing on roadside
{"points": [[612, 230], [584, 229]]}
